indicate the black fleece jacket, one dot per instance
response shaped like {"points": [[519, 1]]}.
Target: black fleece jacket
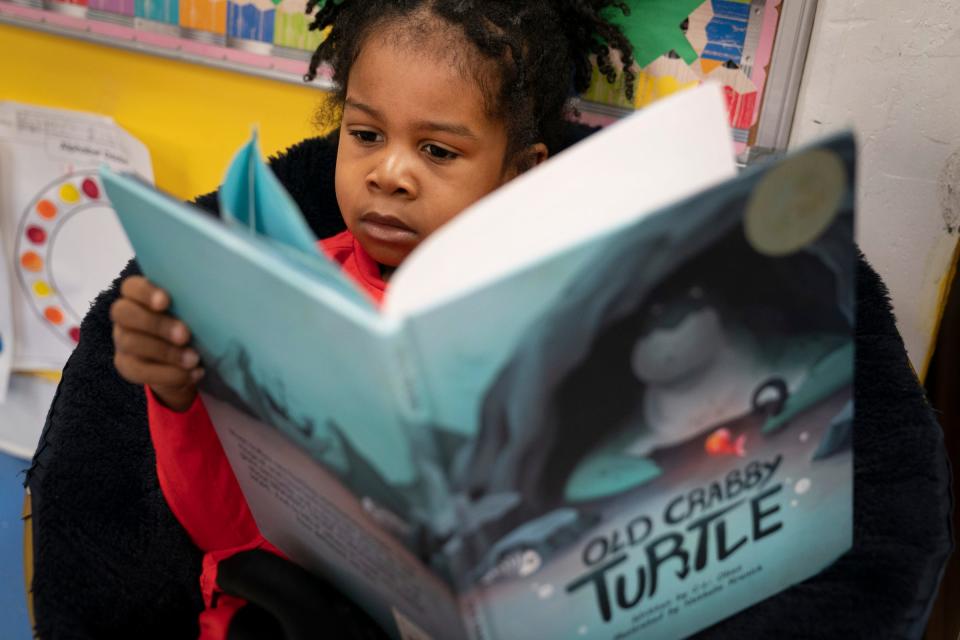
{"points": [[111, 560]]}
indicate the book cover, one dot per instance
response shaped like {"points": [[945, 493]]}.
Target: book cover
{"points": [[635, 429]]}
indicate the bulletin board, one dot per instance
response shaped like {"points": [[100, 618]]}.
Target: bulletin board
{"points": [[755, 48]]}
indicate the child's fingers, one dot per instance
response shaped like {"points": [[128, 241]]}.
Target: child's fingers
{"points": [[143, 291], [132, 316], [147, 347], [140, 371]]}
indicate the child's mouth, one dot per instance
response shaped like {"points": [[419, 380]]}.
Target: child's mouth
{"points": [[385, 228]]}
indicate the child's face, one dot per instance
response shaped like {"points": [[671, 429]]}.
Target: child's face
{"points": [[416, 148]]}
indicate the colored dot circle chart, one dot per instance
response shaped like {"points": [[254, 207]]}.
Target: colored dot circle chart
{"points": [[35, 248]]}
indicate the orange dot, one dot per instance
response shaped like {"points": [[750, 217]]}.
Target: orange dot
{"points": [[53, 315], [47, 209], [31, 261]]}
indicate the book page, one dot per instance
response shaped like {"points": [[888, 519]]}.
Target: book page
{"points": [[344, 537], [648, 160], [252, 197]]}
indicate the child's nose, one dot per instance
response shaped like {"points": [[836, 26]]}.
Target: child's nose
{"points": [[393, 175]]}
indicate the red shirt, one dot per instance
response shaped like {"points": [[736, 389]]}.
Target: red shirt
{"points": [[195, 475], [344, 249]]}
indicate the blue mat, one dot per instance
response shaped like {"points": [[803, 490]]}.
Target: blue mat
{"points": [[14, 623]]}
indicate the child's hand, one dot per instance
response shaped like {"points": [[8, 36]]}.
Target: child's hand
{"points": [[150, 344]]}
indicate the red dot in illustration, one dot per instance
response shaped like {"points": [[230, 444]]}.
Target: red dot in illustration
{"points": [[31, 262], [75, 334], [36, 234], [53, 315], [47, 209], [91, 189]]}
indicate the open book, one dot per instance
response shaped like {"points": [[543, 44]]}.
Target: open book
{"points": [[611, 399]]}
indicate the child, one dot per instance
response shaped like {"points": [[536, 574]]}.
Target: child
{"points": [[441, 102]]}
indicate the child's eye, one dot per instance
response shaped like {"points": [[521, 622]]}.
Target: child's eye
{"points": [[439, 153], [366, 137]]}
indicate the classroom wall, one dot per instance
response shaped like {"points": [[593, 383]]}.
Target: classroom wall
{"points": [[886, 68], [191, 117], [891, 70]]}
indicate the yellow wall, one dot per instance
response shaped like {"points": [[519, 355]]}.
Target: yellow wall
{"points": [[192, 118]]}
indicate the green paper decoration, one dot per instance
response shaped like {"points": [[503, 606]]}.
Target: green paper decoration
{"points": [[653, 27]]}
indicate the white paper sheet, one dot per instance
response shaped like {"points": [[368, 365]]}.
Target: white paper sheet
{"points": [[23, 413], [6, 325], [62, 242]]}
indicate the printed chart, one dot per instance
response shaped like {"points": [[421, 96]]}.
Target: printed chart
{"points": [[40, 224], [60, 246]]}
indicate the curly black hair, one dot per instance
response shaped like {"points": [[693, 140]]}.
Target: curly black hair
{"points": [[541, 51]]}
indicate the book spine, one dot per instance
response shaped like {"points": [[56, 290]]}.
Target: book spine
{"points": [[414, 399], [414, 404], [409, 389]]}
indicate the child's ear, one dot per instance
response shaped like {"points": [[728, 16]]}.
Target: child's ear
{"points": [[537, 153], [528, 159]]}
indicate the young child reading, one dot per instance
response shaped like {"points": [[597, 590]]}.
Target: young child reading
{"points": [[111, 558], [440, 103]]}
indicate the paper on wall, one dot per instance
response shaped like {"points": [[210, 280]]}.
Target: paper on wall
{"points": [[23, 414], [6, 326], [62, 242]]}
